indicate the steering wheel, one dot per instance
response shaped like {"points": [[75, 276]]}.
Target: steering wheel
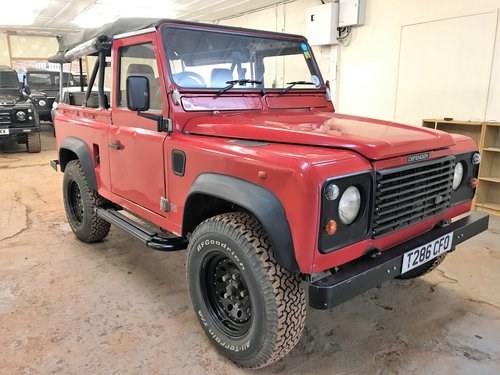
{"points": [[189, 79]]}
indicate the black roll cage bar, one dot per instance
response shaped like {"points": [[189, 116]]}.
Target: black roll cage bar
{"points": [[103, 50]]}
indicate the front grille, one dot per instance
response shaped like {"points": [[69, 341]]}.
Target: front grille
{"points": [[5, 118], [410, 194]]}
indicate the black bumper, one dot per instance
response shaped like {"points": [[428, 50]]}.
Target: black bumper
{"points": [[365, 273], [13, 132]]}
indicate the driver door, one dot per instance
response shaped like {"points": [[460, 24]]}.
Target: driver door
{"points": [[136, 158]]}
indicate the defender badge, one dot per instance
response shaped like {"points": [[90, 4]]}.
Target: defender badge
{"points": [[418, 157]]}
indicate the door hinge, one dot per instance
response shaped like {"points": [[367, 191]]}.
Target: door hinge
{"points": [[164, 204]]}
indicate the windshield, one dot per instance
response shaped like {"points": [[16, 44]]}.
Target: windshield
{"points": [[48, 80], [8, 79], [210, 59]]}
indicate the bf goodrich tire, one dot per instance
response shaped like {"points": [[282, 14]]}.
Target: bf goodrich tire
{"points": [[33, 142], [80, 203], [423, 269], [251, 309]]}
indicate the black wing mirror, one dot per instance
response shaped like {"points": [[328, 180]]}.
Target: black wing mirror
{"points": [[25, 86], [137, 93]]}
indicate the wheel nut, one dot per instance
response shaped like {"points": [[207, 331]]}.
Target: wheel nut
{"points": [[225, 277], [226, 295], [243, 293], [235, 276]]}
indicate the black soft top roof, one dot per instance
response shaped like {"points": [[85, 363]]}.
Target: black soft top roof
{"points": [[126, 25]]}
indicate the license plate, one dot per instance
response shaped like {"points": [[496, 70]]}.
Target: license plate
{"points": [[424, 253], [4, 131]]}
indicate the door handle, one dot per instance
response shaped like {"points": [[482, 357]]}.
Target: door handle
{"points": [[116, 146]]}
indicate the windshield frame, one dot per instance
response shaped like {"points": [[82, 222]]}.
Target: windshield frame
{"points": [[164, 34]]}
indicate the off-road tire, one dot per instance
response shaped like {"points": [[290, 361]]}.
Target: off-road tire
{"points": [[423, 269], [85, 223], [33, 142], [278, 304]]}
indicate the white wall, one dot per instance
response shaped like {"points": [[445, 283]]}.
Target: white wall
{"points": [[366, 73]]}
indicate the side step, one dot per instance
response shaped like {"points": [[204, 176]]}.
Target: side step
{"points": [[141, 233]]}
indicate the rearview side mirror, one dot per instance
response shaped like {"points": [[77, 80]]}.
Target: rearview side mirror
{"points": [[137, 93], [25, 86]]}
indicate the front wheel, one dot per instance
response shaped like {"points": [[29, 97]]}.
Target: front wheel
{"points": [[251, 308], [33, 142]]}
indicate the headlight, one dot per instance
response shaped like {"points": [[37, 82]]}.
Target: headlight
{"points": [[349, 205], [476, 158], [42, 103], [332, 192], [21, 115], [458, 175]]}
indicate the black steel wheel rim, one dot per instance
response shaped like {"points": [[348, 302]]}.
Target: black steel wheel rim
{"points": [[226, 295], [75, 201]]}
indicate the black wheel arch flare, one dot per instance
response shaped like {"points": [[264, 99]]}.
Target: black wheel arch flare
{"points": [[80, 148], [257, 200]]}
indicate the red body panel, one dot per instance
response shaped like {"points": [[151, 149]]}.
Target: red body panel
{"points": [[306, 143], [373, 139]]}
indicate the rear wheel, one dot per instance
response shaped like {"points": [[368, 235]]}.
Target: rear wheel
{"points": [[80, 203], [33, 142], [251, 308]]}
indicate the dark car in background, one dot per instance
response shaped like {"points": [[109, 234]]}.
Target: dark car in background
{"points": [[44, 86], [18, 117]]}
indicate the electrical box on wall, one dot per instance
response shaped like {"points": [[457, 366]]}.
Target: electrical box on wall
{"points": [[322, 23], [351, 12]]}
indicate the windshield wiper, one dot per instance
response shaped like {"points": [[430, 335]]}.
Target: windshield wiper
{"points": [[230, 84], [288, 88]]}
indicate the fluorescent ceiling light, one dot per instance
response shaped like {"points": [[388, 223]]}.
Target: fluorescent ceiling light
{"points": [[105, 11], [24, 13]]}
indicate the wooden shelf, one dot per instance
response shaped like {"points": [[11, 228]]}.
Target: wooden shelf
{"points": [[492, 149], [487, 137], [489, 205], [441, 121], [490, 179], [492, 123]]}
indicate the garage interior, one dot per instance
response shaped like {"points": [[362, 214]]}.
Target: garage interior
{"points": [[116, 307]]}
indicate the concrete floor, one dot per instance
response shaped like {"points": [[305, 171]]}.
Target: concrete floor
{"points": [[117, 308]]}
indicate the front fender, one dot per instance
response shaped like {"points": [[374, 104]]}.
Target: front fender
{"points": [[259, 201], [79, 148]]}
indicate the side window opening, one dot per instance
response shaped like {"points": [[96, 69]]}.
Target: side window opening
{"points": [[139, 60], [73, 95]]}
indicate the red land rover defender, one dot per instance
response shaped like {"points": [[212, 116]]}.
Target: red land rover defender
{"points": [[225, 141]]}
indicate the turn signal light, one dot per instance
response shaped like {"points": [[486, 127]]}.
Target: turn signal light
{"points": [[474, 182], [331, 227]]}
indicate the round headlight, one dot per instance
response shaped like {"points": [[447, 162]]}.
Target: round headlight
{"points": [[349, 205], [21, 115], [42, 103], [458, 175], [476, 158], [332, 192]]}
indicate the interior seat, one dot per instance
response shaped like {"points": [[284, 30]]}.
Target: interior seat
{"points": [[219, 77]]}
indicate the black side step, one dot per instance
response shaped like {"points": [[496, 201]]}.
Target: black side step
{"points": [[141, 233]]}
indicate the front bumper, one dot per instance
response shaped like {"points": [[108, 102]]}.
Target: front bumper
{"points": [[362, 274], [19, 131]]}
